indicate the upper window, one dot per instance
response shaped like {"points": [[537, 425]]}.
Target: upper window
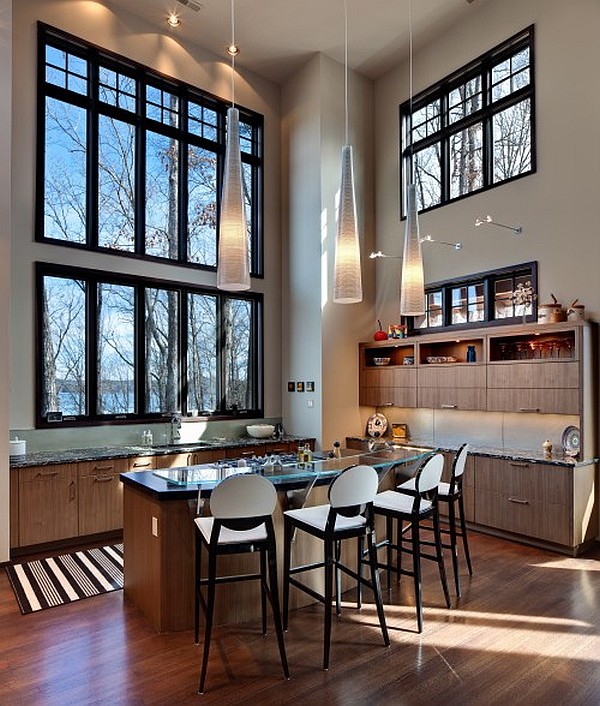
{"points": [[132, 162], [502, 296], [473, 129], [122, 347]]}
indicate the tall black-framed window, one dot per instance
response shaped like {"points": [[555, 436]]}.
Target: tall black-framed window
{"points": [[130, 162], [115, 347], [472, 130], [480, 299]]}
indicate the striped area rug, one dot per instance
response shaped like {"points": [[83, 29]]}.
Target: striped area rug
{"points": [[58, 580]]}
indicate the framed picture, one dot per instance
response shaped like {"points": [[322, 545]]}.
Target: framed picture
{"points": [[291, 386], [299, 387], [310, 386]]}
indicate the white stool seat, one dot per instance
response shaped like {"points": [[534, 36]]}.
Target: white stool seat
{"points": [[229, 536], [444, 489], [399, 502], [409, 487], [317, 517]]}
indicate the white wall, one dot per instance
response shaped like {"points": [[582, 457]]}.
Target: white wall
{"points": [[319, 336], [128, 36], [5, 274], [557, 206]]}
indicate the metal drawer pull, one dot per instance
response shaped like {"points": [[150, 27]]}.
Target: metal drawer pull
{"points": [[139, 464], [529, 409], [449, 406], [516, 464], [103, 468], [103, 479], [519, 501], [248, 453], [47, 474]]}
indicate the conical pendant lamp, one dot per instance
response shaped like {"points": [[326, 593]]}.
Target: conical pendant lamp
{"points": [[412, 289], [347, 280], [233, 272]]}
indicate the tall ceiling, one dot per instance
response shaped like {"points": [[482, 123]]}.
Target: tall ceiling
{"points": [[277, 36]]}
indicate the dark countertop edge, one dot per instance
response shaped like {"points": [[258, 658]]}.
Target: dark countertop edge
{"points": [[490, 452], [149, 484], [49, 458]]}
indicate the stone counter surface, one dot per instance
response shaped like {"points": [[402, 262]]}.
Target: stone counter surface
{"points": [[49, 458], [506, 454]]}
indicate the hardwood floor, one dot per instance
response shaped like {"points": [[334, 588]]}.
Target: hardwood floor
{"points": [[527, 631]]}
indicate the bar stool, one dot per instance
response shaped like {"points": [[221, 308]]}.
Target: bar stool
{"points": [[241, 522], [415, 510], [348, 515], [451, 494]]}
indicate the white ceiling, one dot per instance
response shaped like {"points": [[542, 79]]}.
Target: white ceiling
{"points": [[277, 36]]}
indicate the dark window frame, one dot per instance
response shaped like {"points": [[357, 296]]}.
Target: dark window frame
{"points": [[97, 57], [92, 277], [480, 67], [488, 279]]}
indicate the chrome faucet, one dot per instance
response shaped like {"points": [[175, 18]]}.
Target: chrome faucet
{"points": [[175, 429]]}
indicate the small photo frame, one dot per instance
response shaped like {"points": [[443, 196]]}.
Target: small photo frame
{"points": [[310, 386], [291, 386], [299, 387]]}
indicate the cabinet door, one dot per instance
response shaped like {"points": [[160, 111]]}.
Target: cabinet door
{"points": [[543, 386], [388, 386], [452, 387], [47, 503], [14, 508], [100, 496], [534, 500]]}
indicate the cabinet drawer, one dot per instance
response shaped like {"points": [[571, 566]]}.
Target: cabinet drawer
{"points": [[550, 522], [546, 401], [139, 463], [529, 482], [100, 497], [534, 375]]}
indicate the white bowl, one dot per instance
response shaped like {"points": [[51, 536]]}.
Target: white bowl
{"points": [[260, 431]]}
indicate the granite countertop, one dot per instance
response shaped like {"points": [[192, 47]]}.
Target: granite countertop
{"points": [[521, 455], [47, 458]]}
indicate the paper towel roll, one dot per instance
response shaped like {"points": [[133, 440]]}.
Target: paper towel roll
{"points": [[18, 447]]}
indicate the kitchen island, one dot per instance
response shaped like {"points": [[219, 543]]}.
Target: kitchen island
{"points": [[158, 530]]}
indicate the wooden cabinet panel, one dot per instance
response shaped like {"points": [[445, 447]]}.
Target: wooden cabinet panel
{"points": [[547, 401], [388, 386], [100, 496], [541, 374], [173, 460], [14, 508], [531, 499], [453, 376], [452, 398], [547, 522], [48, 504], [140, 463]]}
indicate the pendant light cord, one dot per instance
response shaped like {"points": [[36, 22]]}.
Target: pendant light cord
{"points": [[410, 90], [346, 70], [232, 54]]}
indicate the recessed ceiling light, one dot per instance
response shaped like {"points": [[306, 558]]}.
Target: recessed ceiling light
{"points": [[233, 50], [173, 19]]}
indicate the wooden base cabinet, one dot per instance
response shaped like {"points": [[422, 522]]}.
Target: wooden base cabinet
{"points": [[48, 504], [100, 496], [543, 502]]}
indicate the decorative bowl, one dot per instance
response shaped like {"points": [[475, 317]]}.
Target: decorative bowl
{"points": [[381, 361], [260, 431]]}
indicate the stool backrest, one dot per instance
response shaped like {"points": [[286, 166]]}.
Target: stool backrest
{"points": [[458, 466], [243, 495], [354, 486], [429, 475]]}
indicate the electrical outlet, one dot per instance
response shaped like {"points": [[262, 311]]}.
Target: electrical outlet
{"points": [[155, 526]]}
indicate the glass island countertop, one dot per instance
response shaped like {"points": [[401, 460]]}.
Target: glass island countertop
{"points": [[185, 481]]}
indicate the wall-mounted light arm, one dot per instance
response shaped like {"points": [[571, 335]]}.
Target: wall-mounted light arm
{"points": [[488, 220], [426, 239]]}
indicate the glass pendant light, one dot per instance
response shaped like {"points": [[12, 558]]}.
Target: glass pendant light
{"points": [[233, 272], [412, 289], [347, 280]]}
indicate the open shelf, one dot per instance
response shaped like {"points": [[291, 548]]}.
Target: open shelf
{"points": [[559, 345]]}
